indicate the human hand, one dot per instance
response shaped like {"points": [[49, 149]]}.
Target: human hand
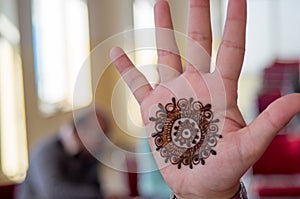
{"points": [[188, 110]]}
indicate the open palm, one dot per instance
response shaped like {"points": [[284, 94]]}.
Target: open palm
{"points": [[228, 147]]}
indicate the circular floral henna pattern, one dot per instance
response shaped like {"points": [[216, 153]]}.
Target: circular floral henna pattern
{"points": [[185, 132]]}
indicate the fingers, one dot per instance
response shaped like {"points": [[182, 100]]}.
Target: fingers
{"points": [[200, 35], [168, 54], [135, 80], [231, 52], [266, 126]]}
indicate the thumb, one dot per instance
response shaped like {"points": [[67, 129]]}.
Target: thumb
{"points": [[260, 133]]}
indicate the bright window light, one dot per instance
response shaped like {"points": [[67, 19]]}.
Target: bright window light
{"points": [[61, 45], [144, 58], [144, 19], [14, 160]]}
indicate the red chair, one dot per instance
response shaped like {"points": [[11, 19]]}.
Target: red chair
{"points": [[277, 172], [7, 191]]}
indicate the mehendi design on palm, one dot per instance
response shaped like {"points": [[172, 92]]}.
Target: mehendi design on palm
{"points": [[185, 132]]}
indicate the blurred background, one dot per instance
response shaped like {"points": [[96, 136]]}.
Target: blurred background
{"points": [[44, 43]]}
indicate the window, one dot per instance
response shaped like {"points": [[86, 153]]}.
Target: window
{"points": [[14, 160], [144, 24], [144, 57], [61, 48]]}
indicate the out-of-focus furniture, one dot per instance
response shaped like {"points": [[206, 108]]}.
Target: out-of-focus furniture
{"points": [[7, 191], [279, 79], [277, 172]]}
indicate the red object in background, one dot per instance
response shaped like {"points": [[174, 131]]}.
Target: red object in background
{"points": [[276, 168], [281, 158], [279, 79], [289, 191], [132, 177], [265, 99], [7, 191]]}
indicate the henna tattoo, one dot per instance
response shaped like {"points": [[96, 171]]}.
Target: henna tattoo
{"points": [[186, 132]]}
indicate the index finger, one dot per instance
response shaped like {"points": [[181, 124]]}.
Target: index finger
{"points": [[135, 80]]}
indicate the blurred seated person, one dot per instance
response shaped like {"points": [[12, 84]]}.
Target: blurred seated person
{"points": [[61, 167]]}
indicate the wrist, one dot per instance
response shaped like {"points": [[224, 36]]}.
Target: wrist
{"points": [[239, 192]]}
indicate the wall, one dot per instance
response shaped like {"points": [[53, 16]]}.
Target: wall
{"points": [[107, 17], [272, 32], [9, 9], [38, 126]]}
